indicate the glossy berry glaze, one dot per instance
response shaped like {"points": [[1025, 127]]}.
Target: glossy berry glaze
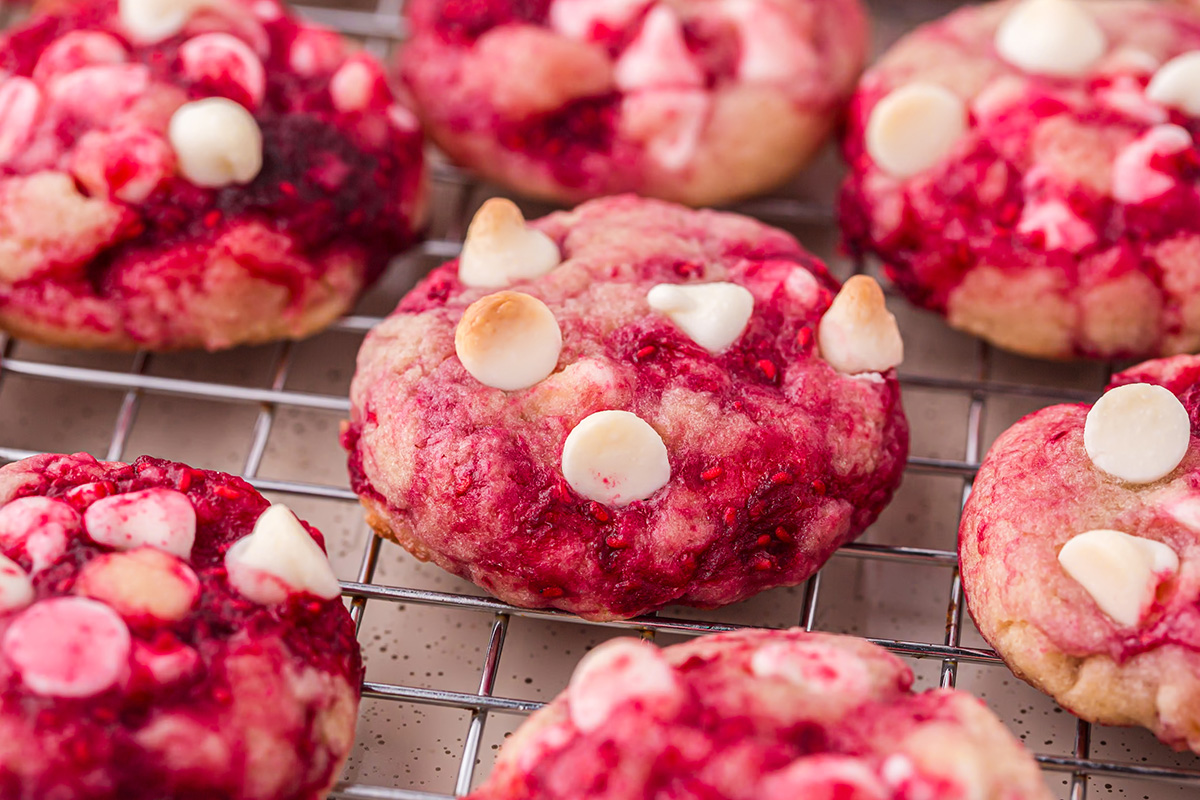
{"points": [[105, 244], [776, 459], [726, 98], [759, 715], [1042, 230], [1037, 489], [228, 699]]}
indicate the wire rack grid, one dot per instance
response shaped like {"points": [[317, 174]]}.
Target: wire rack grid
{"points": [[380, 25]]}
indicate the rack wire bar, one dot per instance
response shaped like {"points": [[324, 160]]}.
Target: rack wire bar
{"points": [[383, 27]]}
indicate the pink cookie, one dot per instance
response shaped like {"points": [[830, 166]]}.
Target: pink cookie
{"points": [[1080, 551], [166, 633], [759, 715], [1028, 169], [698, 102], [628, 405], [194, 175]]}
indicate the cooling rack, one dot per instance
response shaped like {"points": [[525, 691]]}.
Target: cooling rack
{"points": [[964, 394]]}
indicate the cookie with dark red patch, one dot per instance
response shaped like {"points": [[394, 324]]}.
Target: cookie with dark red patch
{"points": [[165, 632], [1080, 551], [699, 102], [759, 715], [628, 405], [194, 175], [1030, 170]]}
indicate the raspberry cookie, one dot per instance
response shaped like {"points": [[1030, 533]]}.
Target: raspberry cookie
{"points": [[700, 102], [165, 632], [194, 174], [1029, 170], [628, 405], [1080, 550], [759, 715]]}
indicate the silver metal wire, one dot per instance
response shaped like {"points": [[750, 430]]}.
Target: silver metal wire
{"points": [[382, 29]]}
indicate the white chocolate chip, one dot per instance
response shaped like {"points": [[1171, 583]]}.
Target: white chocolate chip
{"points": [[1137, 433], [68, 647], [658, 58], [508, 340], [1119, 571], [579, 19], [16, 590], [858, 333], [914, 128], [1177, 84], [222, 57], [141, 584], [622, 673], [217, 142], [1051, 37], [280, 558], [161, 518], [40, 526], [615, 458], [500, 249], [1134, 176], [352, 87], [713, 315], [149, 21]]}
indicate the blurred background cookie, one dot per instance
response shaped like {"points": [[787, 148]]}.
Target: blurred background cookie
{"points": [[701, 102], [194, 175], [1028, 169]]}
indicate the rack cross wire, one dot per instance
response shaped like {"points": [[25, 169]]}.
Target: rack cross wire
{"points": [[382, 29]]}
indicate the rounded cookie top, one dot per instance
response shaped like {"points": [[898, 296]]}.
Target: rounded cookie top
{"points": [[1080, 550], [147, 611], [698, 102], [759, 714], [160, 163], [1029, 170], [628, 405]]}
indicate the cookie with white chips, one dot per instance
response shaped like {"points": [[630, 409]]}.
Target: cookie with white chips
{"points": [[165, 632], [1080, 551], [759, 715], [696, 101], [194, 173], [1029, 169], [628, 405]]}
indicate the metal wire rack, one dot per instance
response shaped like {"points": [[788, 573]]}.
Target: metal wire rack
{"points": [[380, 24]]}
